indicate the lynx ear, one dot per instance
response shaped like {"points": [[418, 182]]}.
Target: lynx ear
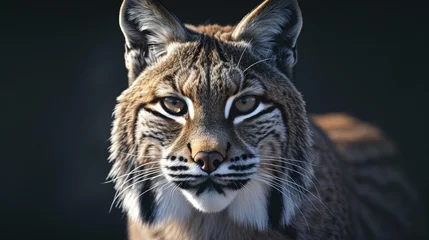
{"points": [[148, 29], [272, 30]]}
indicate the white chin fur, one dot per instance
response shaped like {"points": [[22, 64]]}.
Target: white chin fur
{"points": [[210, 202]]}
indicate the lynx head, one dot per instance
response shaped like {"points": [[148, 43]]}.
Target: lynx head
{"points": [[211, 121]]}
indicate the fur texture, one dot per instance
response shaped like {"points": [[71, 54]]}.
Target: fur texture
{"points": [[279, 176]]}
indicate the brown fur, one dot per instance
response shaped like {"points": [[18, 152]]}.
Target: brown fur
{"points": [[355, 139], [222, 33]]}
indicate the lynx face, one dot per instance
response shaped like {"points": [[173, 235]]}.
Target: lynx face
{"points": [[207, 124], [210, 120]]}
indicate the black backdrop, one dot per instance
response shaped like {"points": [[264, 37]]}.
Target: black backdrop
{"points": [[62, 68]]}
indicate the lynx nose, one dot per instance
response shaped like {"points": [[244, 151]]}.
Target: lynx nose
{"points": [[208, 161]]}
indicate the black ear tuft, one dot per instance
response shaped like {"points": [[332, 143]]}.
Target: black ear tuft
{"points": [[272, 30], [148, 29]]}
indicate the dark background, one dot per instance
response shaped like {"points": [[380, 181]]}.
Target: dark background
{"points": [[62, 68]]}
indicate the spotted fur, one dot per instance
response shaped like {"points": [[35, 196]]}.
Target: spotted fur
{"points": [[280, 176]]}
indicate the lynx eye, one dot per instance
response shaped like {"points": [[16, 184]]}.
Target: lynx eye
{"points": [[246, 104], [174, 106]]}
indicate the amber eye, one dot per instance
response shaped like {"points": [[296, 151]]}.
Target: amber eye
{"points": [[174, 106], [246, 104]]}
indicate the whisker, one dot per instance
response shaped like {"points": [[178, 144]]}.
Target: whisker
{"points": [[305, 195], [284, 194], [151, 188], [270, 179], [245, 188], [143, 174], [286, 159], [148, 173], [137, 180], [174, 188], [141, 156], [310, 180], [304, 169], [244, 50], [278, 184], [139, 175], [126, 174], [132, 185], [287, 181], [285, 167], [289, 169], [263, 60]]}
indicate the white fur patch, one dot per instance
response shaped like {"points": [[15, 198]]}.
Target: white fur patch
{"points": [[131, 204], [289, 206], [212, 201], [249, 207], [171, 205]]}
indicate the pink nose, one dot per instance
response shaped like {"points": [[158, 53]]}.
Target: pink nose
{"points": [[208, 161]]}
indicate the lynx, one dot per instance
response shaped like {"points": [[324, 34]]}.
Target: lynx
{"points": [[212, 140]]}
